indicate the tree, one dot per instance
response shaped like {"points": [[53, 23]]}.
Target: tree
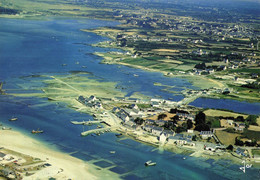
{"points": [[238, 142], [178, 129], [161, 116], [169, 125], [139, 121], [189, 124], [200, 118], [251, 143], [173, 111], [200, 66], [194, 138], [184, 126], [252, 119], [230, 147], [175, 118], [240, 118], [230, 130], [202, 127]]}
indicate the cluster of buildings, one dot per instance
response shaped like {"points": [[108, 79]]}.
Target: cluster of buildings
{"points": [[188, 25], [15, 166], [92, 102], [229, 123], [127, 114]]}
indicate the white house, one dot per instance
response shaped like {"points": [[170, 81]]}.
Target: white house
{"points": [[190, 131], [162, 138], [157, 131], [206, 134], [177, 139]]}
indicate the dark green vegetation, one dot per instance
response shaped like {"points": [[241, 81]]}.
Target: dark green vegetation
{"points": [[201, 124]]}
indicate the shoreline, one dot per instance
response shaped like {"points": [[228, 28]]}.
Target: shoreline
{"points": [[192, 151], [63, 165]]}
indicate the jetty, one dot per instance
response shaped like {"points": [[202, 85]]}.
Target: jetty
{"points": [[95, 131], [88, 123]]}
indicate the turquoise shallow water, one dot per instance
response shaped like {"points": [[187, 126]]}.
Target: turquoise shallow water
{"points": [[30, 47]]}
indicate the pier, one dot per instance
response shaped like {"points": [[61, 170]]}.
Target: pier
{"points": [[95, 131], [88, 123], [188, 100]]}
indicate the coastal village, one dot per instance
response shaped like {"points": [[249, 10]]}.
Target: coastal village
{"points": [[217, 52], [168, 124]]}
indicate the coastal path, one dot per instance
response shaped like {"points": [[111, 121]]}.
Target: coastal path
{"points": [[65, 83]]}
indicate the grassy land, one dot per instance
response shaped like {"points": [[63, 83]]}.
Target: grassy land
{"points": [[41, 8], [226, 138], [256, 152], [258, 121], [215, 124], [213, 112]]}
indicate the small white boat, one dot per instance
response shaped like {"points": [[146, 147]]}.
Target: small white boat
{"points": [[5, 128], [112, 152], [150, 163], [13, 119]]}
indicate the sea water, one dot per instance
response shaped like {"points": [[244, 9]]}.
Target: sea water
{"points": [[34, 47]]}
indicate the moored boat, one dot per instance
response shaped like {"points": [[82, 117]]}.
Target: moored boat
{"points": [[119, 135], [37, 131], [5, 128], [149, 163], [13, 119]]}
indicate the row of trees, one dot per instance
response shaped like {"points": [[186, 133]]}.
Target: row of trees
{"points": [[239, 142]]}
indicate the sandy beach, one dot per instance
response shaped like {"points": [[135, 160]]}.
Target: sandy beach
{"points": [[63, 166]]}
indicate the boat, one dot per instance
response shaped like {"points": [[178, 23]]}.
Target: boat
{"points": [[64, 64], [13, 119], [112, 152], [119, 135], [149, 163], [37, 131], [184, 158], [5, 128], [136, 75]]}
